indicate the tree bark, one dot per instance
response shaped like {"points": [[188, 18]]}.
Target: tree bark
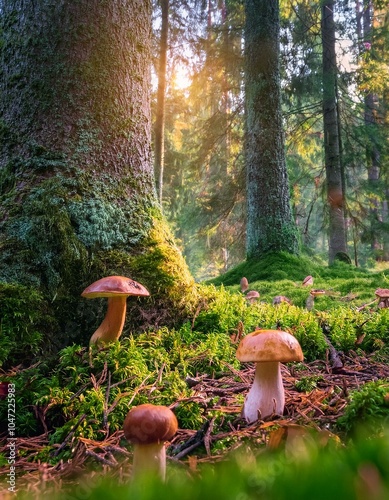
{"points": [[372, 149], [270, 226], [77, 191], [335, 189]]}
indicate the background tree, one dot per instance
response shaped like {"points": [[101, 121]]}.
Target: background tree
{"points": [[204, 194], [270, 226], [77, 186], [204, 177], [334, 177]]}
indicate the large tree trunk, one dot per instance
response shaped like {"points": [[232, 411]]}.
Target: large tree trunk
{"points": [[335, 188], [77, 190], [270, 226]]}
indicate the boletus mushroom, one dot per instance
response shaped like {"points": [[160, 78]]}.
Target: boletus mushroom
{"points": [[147, 427], [382, 295], [315, 292], [252, 296], [116, 289], [244, 284], [267, 348]]}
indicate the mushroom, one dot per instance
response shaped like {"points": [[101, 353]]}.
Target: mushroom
{"points": [[116, 289], [244, 284], [267, 348], [315, 292], [308, 280], [148, 426], [252, 296], [382, 295]]}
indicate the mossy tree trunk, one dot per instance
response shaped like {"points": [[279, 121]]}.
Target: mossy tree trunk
{"points": [[77, 190], [270, 226]]}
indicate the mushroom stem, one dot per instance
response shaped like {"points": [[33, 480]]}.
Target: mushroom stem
{"points": [[267, 395], [149, 459], [112, 325]]}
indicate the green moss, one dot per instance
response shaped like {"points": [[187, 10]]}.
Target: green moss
{"points": [[24, 323], [271, 267], [367, 410], [70, 230]]}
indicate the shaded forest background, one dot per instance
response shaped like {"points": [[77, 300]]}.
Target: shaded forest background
{"points": [[202, 180]]}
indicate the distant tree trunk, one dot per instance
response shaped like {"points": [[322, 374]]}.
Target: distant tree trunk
{"points": [[159, 140], [335, 188], [385, 219], [77, 191], [270, 226], [372, 149]]}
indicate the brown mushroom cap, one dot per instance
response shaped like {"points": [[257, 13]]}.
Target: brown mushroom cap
{"points": [[382, 293], [147, 424], [269, 345], [317, 291], [308, 280], [114, 286]]}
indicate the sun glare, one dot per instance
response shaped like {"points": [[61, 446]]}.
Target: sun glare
{"points": [[180, 77]]}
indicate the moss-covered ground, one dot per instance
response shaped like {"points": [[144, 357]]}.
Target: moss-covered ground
{"points": [[70, 406]]}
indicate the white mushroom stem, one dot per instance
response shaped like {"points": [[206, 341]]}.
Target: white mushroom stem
{"points": [[112, 325], [267, 395], [149, 459]]}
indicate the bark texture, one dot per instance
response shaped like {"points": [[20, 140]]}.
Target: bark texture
{"points": [[77, 189], [335, 189], [270, 226]]}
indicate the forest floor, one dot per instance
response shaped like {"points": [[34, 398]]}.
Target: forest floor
{"points": [[317, 409]]}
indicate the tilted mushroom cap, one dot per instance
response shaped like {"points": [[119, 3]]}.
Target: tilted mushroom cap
{"points": [[269, 345], [308, 280], [147, 424], [114, 286], [317, 291]]}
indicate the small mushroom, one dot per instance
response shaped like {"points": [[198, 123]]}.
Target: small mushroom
{"points": [[315, 292], [252, 296], [116, 289], [244, 284], [267, 348], [382, 295], [148, 426], [308, 280]]}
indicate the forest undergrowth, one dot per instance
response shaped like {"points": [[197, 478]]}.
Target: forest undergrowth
{"points": [[70, 408]]}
